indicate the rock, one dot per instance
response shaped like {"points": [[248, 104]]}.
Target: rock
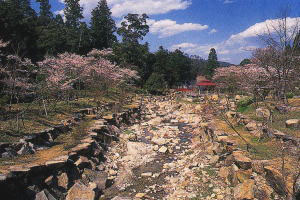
{"points": [[147, 174], [63, 180], [244, 191], [44, 195], [214, 159], [83, 162], [140, 195], [263, 112], [225, 173], [275, 179], [237, 98], [251, 126], [278, 134], [297, 188], [121, 198], [282, 109], [230, 114], [223, 102], [49, 181], [163, 149], [214, 97], [8, 154], [159, 141], [27, 148], [97, 177], [258, 166], [80, 192], [243, 175], [241, 160], [292, 123], [112, 172]]}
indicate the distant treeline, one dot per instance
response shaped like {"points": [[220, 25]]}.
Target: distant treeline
{"points": [[37, 35]]}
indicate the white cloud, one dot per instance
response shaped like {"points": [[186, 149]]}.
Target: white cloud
{"points": [[268, 26], [241, 43], [167, 27], [121, 8], [184, 46], [212, 31]]}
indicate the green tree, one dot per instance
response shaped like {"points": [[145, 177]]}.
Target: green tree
{"points": [[130, 51], [156, 84], [52, 37], [212, 63], [134, 28], [246, 61], [17, 25], [103, 26], [73, 14], [45, 15]]}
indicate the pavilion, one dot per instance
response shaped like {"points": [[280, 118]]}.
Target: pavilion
{"points": [[205, 85]]}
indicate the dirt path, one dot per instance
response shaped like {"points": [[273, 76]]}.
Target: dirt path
{"points": [[163, 158]]}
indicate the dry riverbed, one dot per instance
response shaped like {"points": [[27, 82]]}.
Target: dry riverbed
{"points": [[163, 158]]}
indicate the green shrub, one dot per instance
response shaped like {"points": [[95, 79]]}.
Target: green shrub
{"points": [[245, 102], [289, 95], [156, 84]]}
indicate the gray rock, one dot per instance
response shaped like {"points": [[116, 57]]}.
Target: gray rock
{"points": [[44, 195], [80, 192], [27, 148]]}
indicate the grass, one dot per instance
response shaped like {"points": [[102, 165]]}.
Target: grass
{"points": [[264, 149], [278, 118], [35, 120], [210, 171], [128, 132], [73, 137]]}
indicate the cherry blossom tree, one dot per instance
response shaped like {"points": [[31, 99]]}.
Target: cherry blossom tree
{"points": [[65, 70], [280, 58], [248, 78]]}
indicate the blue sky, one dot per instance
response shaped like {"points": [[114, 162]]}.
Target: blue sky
{"points": [[195, 26]]}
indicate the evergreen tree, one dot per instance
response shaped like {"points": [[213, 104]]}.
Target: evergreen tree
{"points": [[212, 63], [17, 25], [84, 45], [73, 14], [45, 13], [102, 27], [52, 37]]}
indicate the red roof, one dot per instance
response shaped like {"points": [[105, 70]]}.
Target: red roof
{"points": [[206, 83], [184, 90]]}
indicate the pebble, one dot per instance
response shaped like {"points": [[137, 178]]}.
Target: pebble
{"points": [[147, 174]]}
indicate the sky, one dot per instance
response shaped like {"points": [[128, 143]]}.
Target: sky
{"points": [[195, 26]]}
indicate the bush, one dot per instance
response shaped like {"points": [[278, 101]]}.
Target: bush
{"points": [[243, 103], [289, 95], [156, 84]]}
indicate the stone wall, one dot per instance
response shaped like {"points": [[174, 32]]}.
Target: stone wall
{"points": [[59, 178]]}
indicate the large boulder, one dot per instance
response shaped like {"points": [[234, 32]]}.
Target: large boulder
{"points": [[275, 179], [293, 123], [263, 112], [27, 148], [44, 195], [241, 160], [245, 190], [63, 181], [80, 192], [230, 114], [251, 126]]}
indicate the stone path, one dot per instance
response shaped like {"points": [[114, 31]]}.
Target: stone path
{"points": [[163, 158]]}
